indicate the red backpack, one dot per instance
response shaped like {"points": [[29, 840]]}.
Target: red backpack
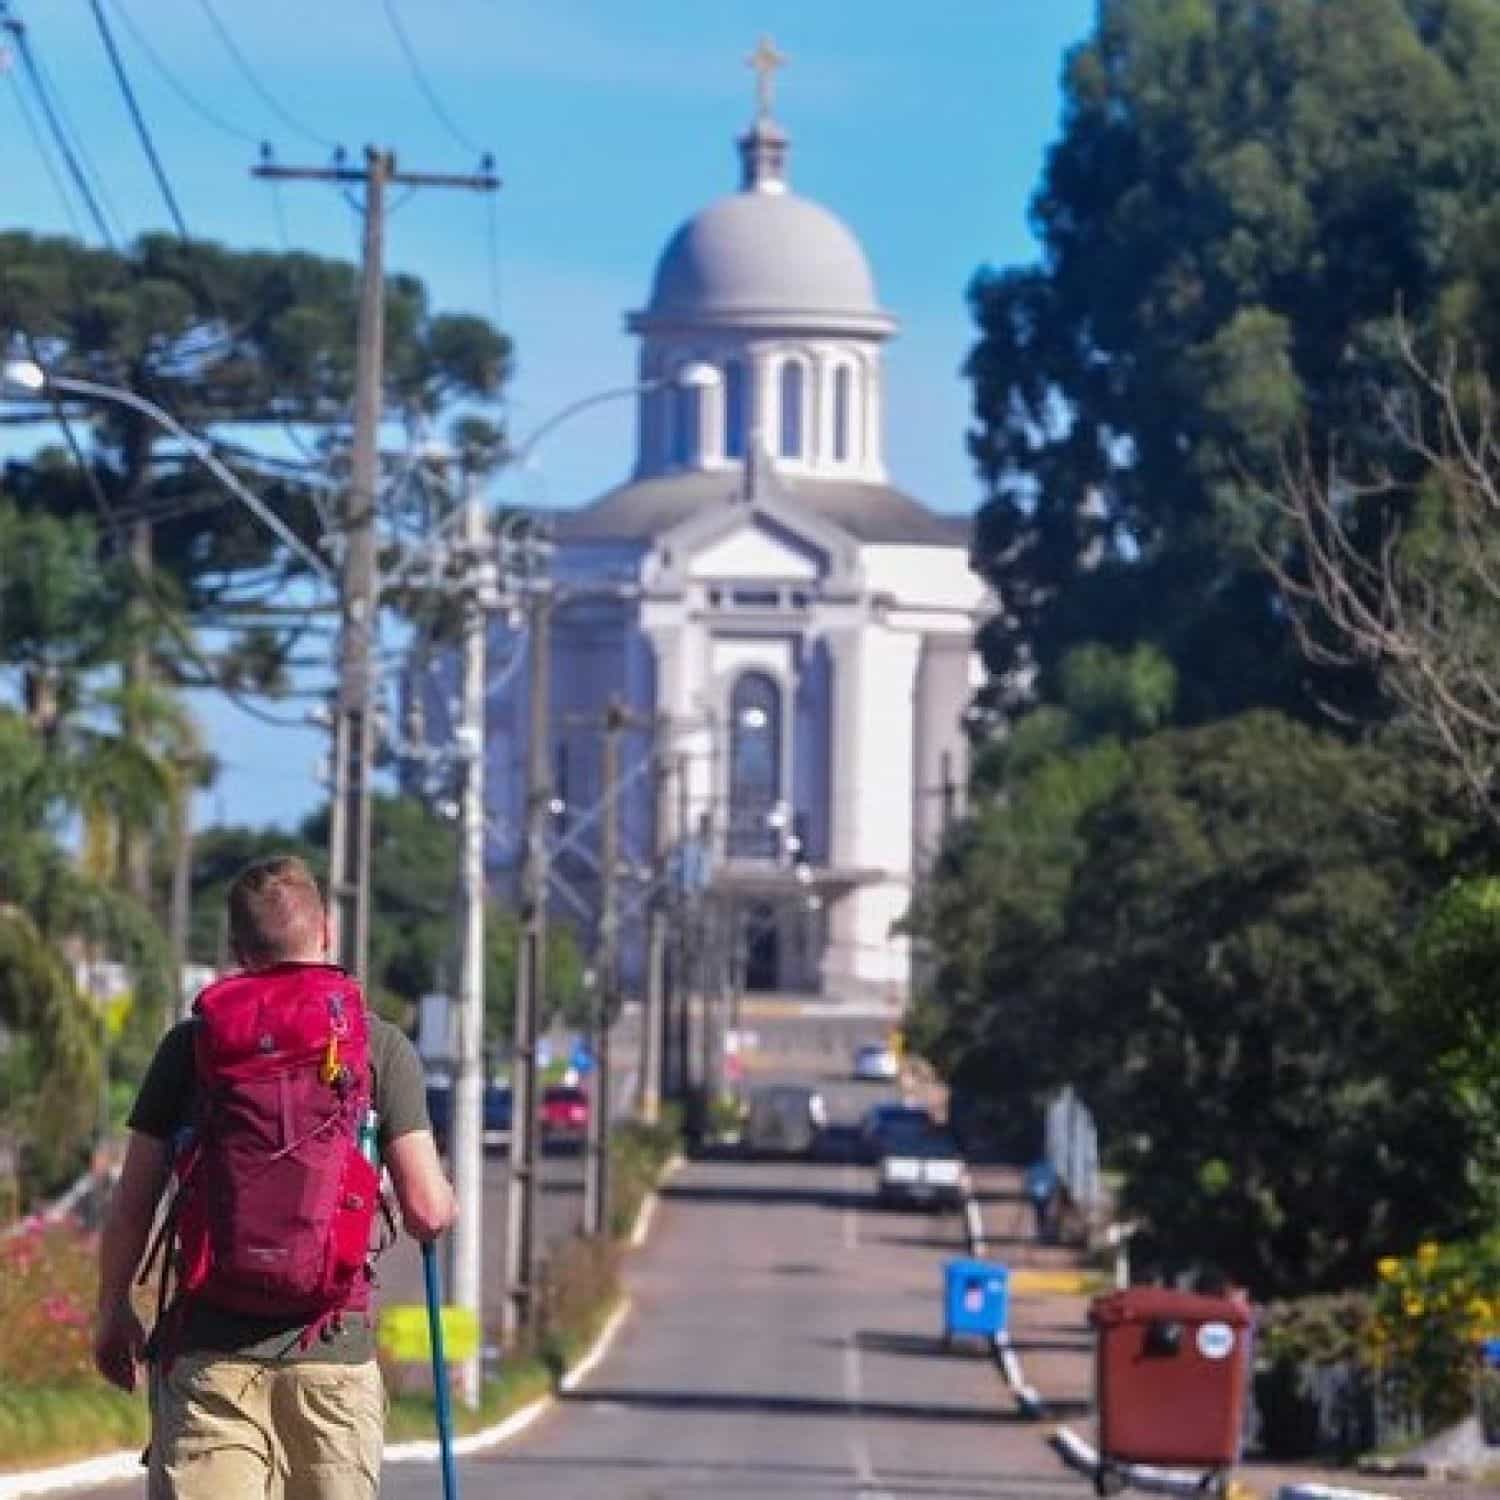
{"points": [[276, 1199]]}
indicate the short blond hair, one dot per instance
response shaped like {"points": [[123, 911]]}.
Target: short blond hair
{"points": [[275, 911]]}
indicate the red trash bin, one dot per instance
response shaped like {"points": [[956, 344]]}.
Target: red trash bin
{"points": [[1170, 1374]]}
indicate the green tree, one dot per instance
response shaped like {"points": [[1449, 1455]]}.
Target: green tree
{"points": [[414, 904], [1451, 1012], [1227, 984], [229, 342], [1243, 193]]}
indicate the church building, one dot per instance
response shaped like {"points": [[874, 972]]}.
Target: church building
{"points": [[799, 631]]}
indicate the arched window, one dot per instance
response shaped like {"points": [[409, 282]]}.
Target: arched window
{"points": [[734, 409], [843, 380], [793, 386], [754, 766], [686, 438]]}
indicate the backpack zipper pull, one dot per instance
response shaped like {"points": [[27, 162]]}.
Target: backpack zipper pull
{"points": [[331, 1070]]}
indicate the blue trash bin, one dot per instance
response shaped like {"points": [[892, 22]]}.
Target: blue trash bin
{"points": [[976, 1297]]}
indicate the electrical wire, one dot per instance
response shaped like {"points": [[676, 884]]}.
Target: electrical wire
{"points": [[419, 77], [252, 78], [143, 581], [96, 177], [17, 29], [193, 102], [122, 78], [34, 130]]}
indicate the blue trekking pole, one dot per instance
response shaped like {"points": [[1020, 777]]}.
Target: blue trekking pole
{"points": [[439, 1370]]}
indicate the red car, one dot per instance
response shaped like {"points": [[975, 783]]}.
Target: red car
{"points": [[565, 1114]]}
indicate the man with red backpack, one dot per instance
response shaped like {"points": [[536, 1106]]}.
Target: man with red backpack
{"points": [[272, 1110]]}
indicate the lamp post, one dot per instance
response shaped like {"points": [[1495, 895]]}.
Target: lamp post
{"points": [[520, 1249]]}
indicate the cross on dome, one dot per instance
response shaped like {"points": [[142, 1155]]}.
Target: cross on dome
{"points": [[763, 147], [764, 63]]}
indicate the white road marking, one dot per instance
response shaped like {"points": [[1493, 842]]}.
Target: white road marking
{"points": [[859, 1447]]}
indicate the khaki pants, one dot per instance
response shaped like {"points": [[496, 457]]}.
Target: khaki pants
{"points": [[228, 1429]]}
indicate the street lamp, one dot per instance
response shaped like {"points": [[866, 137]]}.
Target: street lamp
{"points": [[697, 375], [27, 376]]}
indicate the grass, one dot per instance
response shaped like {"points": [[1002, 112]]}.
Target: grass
{"points": [[55, 1424]]}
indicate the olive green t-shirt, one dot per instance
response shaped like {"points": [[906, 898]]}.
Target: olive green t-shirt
{"points": [[164, 1107]]}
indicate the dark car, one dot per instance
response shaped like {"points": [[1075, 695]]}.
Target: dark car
{"points": [[921, 1170], [497, 1111], [784, 1119], [890, 1122]]}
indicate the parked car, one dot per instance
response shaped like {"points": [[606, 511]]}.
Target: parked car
{"points": [[876, 1063], [922, 1170], [890, 1122], [497, 1110], [565, 1115], [784, 1119]]}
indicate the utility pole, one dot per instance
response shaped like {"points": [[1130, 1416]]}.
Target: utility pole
{"points": [[682, 989], [596, 1182], [653, 1018], [359, 588], [520, 1242], [180, 907], [479, 579]]}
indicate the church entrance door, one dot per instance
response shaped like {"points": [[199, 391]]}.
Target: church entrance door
{"points": [[762, 950]]}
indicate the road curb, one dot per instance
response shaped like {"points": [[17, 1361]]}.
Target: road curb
{"points": [[107, 1468], [1329, 1492], [113, 1468], [647, 1212], [425, 1450]]}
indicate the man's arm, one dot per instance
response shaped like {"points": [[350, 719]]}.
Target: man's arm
{"points": [[428, 1206], [119, 1338]]}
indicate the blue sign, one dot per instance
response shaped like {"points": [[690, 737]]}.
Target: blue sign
{"points": [[582, 1059]]}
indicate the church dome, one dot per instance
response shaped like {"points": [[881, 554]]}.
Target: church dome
{"points": [[766, 253]]}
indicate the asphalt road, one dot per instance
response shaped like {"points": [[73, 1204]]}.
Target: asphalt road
{"points": [[783, 1340]]}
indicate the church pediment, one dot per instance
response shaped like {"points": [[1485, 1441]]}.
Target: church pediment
{"points": [[755, 539], [759, 550]]}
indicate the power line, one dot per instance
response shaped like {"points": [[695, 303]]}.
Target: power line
{"points": [[430, 94], [144, 582], [96, 177], [40, 142], [139, 120], [28, 60], [252, 78], [193, 102]]}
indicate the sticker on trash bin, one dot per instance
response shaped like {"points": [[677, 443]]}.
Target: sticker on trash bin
{"points": [[1216, 1341]]}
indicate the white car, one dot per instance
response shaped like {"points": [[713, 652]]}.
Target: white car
{"points": [[876, 1064]]}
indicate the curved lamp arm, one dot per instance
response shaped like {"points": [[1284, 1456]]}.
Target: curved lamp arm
{"points": [[30, 377], [695, 376]]}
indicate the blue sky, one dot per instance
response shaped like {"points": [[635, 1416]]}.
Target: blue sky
{"points": [[924, 126]]}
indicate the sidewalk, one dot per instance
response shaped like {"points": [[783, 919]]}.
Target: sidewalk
{"points": [[1051, 1336]]}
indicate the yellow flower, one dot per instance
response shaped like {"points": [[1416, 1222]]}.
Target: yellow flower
{"points": [[1481, 1313], [1427, 1254], [1413, 1307], [1388, 1267]]}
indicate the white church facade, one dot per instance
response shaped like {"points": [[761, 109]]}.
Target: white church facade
{"points": [[800, 631]]}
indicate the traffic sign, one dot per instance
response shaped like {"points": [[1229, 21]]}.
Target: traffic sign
{"points": [[405, 1338]]}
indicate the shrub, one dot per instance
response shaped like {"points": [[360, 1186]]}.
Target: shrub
{"points": [[1432, 1309], [638, 1156], [46, 1286]]}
